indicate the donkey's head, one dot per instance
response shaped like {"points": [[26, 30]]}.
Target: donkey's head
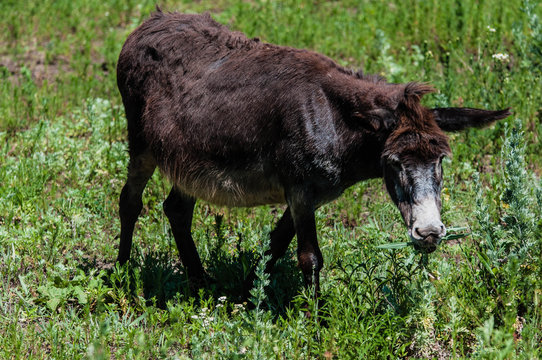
{"points": [[412, 159]]}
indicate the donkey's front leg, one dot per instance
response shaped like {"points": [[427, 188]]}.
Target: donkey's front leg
{"points": [[308, 253]]}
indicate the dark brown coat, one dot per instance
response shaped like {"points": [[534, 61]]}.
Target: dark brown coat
{"points": [[239, 122]]}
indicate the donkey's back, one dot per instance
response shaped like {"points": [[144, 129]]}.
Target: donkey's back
{"points": [[174, 44]]}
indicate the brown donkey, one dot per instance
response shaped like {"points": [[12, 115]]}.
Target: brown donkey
{"points": [[239, 122]]}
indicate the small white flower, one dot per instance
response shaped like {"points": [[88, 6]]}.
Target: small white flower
{"points": [[222, 299], [501, 57], [490, 29], [195, 317], [218, 306]]}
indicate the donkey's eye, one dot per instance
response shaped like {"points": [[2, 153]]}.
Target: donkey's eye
{"points": [[396, 165], [438, 167]]}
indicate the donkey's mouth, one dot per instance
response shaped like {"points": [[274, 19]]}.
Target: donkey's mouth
{"points": [[426, 249], [426, 245]]}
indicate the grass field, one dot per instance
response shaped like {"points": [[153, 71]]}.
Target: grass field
{"points": [[63, 163]]}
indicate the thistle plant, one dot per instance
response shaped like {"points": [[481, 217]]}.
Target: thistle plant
{"points": [[493, 243], [257, 293], [510, 249], [517, 196], [514, 235], [421, 318], [262, 322]]}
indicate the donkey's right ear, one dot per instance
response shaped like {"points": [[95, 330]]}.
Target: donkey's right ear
{"points": [[457, 119]]}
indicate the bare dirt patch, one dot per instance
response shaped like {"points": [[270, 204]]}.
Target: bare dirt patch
{"points": [[34, 59]]}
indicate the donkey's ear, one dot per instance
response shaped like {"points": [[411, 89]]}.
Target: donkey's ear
{"points": [[414, 91], [410, 94], [457, 119]]}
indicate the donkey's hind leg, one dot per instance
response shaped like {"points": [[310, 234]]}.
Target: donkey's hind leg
{"points": [[140, 171], [179, 209]]}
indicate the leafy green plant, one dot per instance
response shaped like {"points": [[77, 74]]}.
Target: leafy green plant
{"points": [[86, 292]]}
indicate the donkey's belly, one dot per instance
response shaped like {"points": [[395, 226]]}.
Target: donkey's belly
{"points": [[232, 188]]}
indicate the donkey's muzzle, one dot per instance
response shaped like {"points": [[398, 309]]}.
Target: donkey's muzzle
{"points": [[426, 239]]}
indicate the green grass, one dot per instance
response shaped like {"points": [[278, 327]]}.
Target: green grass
{"points": [[63, 163]]}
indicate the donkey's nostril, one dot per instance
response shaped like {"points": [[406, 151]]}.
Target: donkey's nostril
{"points": [[431, 230]]}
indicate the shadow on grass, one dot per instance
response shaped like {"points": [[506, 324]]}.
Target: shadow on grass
{"points": [[159, 279]]}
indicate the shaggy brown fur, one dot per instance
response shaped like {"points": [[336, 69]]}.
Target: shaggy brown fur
{"points": [[239, 122]]}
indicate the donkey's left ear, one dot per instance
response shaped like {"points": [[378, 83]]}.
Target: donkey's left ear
{"points": [[457, 119]]}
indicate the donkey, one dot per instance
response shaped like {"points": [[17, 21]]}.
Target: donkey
{"points": [[239, 122]]}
